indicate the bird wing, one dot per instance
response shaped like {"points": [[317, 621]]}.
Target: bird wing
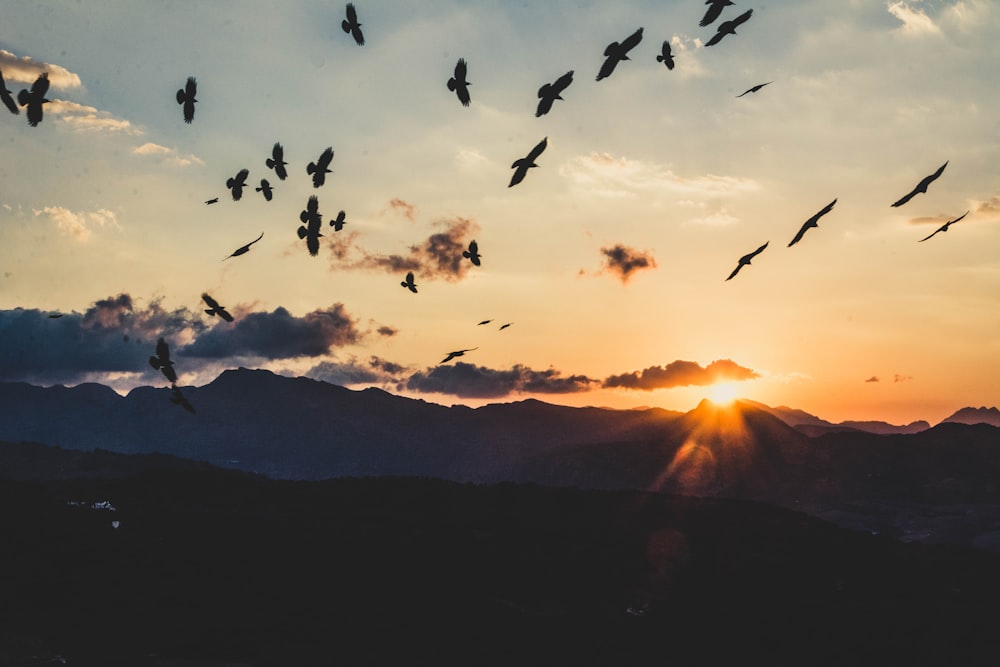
{"points": [[716, 38], [352, 14], [741, 19], [952, 222], [563, 82], [6, 96], [256, 239], [802, 231], [191, 88], [735, 271], [631, 42], [608, 67], [544, 103], [463, 95], [278, 153], [473, 248], [241, 177], [518, 175], [711, 14], [312, 206], [939, 229], [325, 158], [162, 352], [460, 70], [933, 177], [537, 150], [212, 303], [40, 86], [905, 198]]}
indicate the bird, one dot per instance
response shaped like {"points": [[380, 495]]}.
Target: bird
{"points": [[945, 226], [312, 222], [921, 186], [472, 254], [665, 56], [754, 89], [811, 222], [242, 250], [185, 96], [237, 183], [55, 316], [409, 284], [162, 361], [550, 92], [177, 398], [319, 169], [214, 200], [351, 25], [338, 222], [745, 260], [35, 98], [458, 83], [8, 100], [457, 353], [715, 8], [616, 52], [277, 161], [214, 308], [484, 322], [504, 326], [522, 165], [729, 27], [265, 189]]}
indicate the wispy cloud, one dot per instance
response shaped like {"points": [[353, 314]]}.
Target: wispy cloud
{"points": [[89, 119], [604, 174], [78, 224], [915, 22], [26, 69], [623, 261], [408, 210], [375, 371], [681, 373], [168, 156]]}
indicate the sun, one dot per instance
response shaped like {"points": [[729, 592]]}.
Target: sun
{"points": [[723, 393]]}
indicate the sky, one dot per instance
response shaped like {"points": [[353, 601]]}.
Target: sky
{"points": [[608, 261]]}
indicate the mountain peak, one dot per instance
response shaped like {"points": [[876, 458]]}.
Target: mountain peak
{"points": [[980, 415]]}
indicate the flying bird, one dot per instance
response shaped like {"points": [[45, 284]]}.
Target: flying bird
{"points": [[34, 99], [55, 316], [745, 260], [550, 92], [8, 100], [458, 83], [665, 56], [265, 189], [215, 309], [237, 183], [409, 284], [754, 89], [921, 186], [522, 165], [945, 226], [277, 161], [185, 96], [242, 250], [729, 27], [177, 398], [484, 322], [616, 52], [457, 353], [162, 361], [214, 200], [504, 326], [338, 222], [351, 25], [715, 8], [312, 221], [811, 222], [472, 254], [319, 168]]}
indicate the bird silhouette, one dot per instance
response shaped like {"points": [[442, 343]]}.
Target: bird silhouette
{"points": [[484, 322], [409, 284], [242, 250], [185, 96], [729, 27], [921, 186], [745, 260], [338, 222], [615, 53], [177, 398], [351, 25], [162, 361], [237, 183], [319, 168], [35, 98], [522, 165], [277, 161], [504, 326], [715, 8], [213, 200], [55, 316], [754, 89], [312, 221], [8, 100], [458, 83], [472, 254], [214, 308], [665, 57], [811, 222], [265, 189], [550, 92], [945, 226], [457, 353]]}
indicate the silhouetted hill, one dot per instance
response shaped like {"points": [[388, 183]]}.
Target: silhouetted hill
{"points": [[217, 568], [813, 426], [981, 415]]}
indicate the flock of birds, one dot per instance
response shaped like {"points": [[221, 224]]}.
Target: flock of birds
{"points": [[33, 100]]}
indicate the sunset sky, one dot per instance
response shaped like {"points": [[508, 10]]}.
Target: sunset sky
{"points": [[609, 260]]}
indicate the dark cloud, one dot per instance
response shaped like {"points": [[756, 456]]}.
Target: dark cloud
{"points": [[873, 378], [375, 371], [470, 381], [438, 256], [387, 331], [403, 207], [681, 373], [277, 335], [623, 261]]}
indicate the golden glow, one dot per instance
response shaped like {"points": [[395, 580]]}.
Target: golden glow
{"points": [[723, 393]]}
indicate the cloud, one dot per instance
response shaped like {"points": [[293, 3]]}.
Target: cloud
{"points": [[873, 378], [79, 225], [470, 381], [277, 335], [89, 119], [603, 174], [408, 210], [624, 261], [374, 371], [167, 155], [915, 22], [387, 331], [990, 207], [901, 378], [439, 256], [26, 70], [681, 373]]}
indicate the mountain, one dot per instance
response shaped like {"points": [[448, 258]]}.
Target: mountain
{"points": [[980, 415], [813, 426]]}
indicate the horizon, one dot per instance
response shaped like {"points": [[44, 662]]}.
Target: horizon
{"points": [[609, 261]]}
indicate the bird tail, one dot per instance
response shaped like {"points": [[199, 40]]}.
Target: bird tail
{"points": [[23, 97], [302, 232], [270, 163], [345, 26], [451, 85], [311, 168], [155, 363], [180, 96], [210, 311]]}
